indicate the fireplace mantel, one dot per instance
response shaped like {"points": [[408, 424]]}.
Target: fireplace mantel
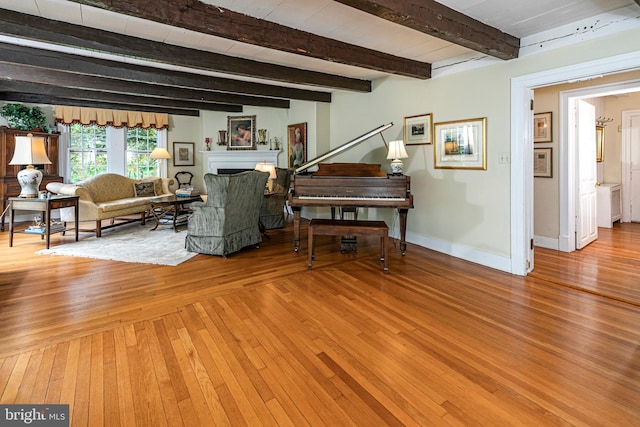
{"points": [[237, 159]]}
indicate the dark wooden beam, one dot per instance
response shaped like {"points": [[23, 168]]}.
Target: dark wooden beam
{"points": [[52, 100], [61, 33], [25, 73], [435, 19], [217, 21], [92, 95], [47, 59]]}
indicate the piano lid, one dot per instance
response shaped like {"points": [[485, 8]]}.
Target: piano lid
{"points": [[342, 148]]}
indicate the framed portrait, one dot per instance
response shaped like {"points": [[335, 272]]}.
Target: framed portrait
{"points": [[183, 153], [599, 143], [241, 131], [461, 144], [297, 144], [418, 130], [542, 130], [542, 165]]}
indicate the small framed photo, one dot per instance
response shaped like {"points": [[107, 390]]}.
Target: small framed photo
{"points": [[461, 144], [542, 163], [418, 130], [297, 142], [542, 130], [242, 132], [183, 153]]}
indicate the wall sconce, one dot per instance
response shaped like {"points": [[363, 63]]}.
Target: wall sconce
{"points": [[262, 136], [222, 137]]}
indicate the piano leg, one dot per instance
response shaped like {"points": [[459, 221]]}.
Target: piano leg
{"points": [[403, 230], [296, 228]]}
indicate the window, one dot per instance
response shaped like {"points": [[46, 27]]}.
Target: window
{"points": [[140, 144], [87, 151], [93, 149]]}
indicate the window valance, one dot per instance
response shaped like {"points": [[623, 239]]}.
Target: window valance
{"points": [[115, 118]]}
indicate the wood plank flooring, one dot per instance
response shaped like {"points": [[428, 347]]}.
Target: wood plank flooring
{"points": [[257, 339]]}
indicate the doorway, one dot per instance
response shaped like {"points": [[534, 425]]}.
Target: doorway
{"points": [[522, 259]]}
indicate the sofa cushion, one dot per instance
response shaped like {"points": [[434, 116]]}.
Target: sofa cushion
{"points": [[138, 203], [144, 189]]}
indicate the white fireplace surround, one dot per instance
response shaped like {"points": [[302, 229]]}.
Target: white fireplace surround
{"points": [[238, 159]]}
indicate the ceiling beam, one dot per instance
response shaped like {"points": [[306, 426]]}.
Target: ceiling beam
{"points": [[82, 65], [52, 100], [217, 21], [120, 98], [61, 33], [24, 73], [437, 20]]}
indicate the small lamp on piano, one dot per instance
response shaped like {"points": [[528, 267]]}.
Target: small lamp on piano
{"points": [[268, 167], [396, 152], [29, 150]]}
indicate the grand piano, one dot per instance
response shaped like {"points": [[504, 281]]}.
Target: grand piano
{"points": [[339, 185]]}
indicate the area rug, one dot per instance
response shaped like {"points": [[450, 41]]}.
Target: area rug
{"points": [[130, 243]]}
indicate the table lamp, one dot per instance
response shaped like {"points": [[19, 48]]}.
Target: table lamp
{"points": [[396, 152], [268, 167], [29, 150]]}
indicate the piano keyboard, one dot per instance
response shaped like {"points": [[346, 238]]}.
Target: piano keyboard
{"points": [[352, 198]]}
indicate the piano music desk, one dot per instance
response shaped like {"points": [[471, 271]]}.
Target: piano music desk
{"points": [[332, 227]]}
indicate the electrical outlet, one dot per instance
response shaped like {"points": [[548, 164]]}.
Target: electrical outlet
{"points": [[504, 158]]}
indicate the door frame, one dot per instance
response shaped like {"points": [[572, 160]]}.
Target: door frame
{"points": [[522, 148], [626, 158]]}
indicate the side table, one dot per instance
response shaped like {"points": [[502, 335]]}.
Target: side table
{"points": [[44, 206]]}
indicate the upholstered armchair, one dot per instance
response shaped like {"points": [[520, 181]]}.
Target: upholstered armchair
{"points": [[272, 210], [229, 219]]}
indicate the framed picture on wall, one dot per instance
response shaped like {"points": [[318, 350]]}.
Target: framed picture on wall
{"points": [[542, 163], [297, 144], [183, 153], [418, 130], [461, 144], [242, 132], [542, 130]]}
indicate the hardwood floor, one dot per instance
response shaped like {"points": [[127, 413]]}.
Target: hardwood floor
{"points": [[257, 339]]}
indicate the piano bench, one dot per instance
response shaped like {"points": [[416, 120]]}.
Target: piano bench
{"points": [[333, 227]]}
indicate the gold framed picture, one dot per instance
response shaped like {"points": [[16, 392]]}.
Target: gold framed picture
{"points": [[461, 144]]}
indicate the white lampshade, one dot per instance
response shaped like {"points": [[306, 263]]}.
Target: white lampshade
{"points": [[160, 153], [267, 167], [396, 150], [29, 150]]}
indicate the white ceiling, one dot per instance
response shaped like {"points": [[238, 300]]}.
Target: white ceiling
{"points": [[520, 18]]}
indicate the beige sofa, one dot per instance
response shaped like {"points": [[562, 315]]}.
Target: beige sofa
{"points": [[108, 196]]}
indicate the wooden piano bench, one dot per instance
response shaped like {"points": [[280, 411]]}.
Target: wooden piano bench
{"points": [[333, 227]]}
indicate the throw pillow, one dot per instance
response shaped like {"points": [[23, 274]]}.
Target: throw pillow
{"points": [[157, 182], [144, 189]]}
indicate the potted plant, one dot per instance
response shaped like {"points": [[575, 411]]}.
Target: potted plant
{"points": [[25, 118]]}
